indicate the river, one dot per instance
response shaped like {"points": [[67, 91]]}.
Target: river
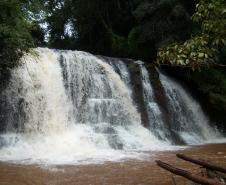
{"points": [[132, 172]]}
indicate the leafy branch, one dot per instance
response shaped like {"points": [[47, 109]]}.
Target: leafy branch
{"points": [[202, 49]]}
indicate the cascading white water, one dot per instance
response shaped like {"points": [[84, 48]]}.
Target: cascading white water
{"points": [[37, 95], [154, 114], [96, 91], [188, 119], [71, 107]]}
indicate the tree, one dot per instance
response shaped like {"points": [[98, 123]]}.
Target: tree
{"points": [[119, 28], [105, 28], [158, 23], [59, 16], [16, 29], [202, 49]]}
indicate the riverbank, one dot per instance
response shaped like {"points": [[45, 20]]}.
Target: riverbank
{"points": [[123, 173]]}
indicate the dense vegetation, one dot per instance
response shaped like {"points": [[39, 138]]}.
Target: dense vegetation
{"points": [[203, 48], [205, 51], [125, 28], [134, 28], [16, 31], [129, 28]]}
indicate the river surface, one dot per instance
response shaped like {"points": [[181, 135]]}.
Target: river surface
{"points": [[118, 173]]}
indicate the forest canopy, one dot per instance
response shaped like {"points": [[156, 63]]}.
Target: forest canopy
{"points": [[125, 28], [120, 28]]}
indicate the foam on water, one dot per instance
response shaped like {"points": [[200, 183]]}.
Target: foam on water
{"points": [[77, 145]]}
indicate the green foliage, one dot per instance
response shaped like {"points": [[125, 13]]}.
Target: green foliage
{"points": [[16, 31], [194, 53], [202, 49]]}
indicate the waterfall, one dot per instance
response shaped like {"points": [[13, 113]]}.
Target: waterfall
{"points": [[97, 92], [187, 117], [155, 116], [37, 96], [70, 107]]}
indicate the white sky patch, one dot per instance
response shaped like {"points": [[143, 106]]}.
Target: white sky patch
{"points": [[68, 29], [44, 26]]}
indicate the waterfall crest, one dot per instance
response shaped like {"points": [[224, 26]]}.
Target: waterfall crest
{"points": [[71, 107]]}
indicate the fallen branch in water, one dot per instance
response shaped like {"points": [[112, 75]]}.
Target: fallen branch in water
{"points": [[202, 163], [188, 175]]}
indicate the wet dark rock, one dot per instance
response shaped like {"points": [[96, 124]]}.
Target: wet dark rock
{"points": [[2, 142], [137, 90], [114, 142], [4, 82]]}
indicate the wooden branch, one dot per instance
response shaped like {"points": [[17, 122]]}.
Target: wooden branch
{"points": [[202, 163], [188, 175], [214, 64], [219, 65], [173, 65]]}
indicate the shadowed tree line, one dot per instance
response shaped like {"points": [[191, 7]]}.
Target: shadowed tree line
{"points": [[125, 28]]}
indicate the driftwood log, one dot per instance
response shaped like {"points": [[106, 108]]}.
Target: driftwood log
{"points": [[202, 163], [188, 175]]}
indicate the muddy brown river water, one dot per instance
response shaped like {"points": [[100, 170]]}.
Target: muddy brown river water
{"points": [[120, 173]]}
